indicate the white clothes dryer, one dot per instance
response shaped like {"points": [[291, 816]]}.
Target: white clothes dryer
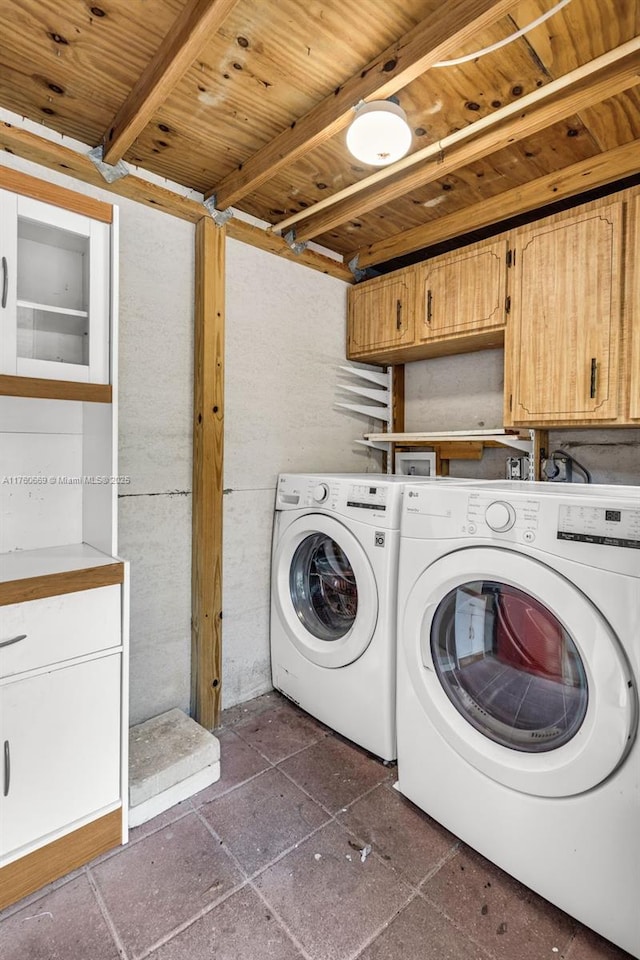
{"points": [[333, 601], [518, 673]]}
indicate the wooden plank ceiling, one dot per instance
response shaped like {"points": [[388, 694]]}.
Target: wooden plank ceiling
{"points": [[249, 100]]}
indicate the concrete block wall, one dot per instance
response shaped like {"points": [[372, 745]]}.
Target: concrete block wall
{"points": [[285, 337]]}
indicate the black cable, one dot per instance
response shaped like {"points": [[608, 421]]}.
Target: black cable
{"points": [[574, 463]]}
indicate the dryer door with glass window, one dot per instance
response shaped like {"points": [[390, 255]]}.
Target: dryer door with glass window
{"points": [[518, 671], [325, 591]]}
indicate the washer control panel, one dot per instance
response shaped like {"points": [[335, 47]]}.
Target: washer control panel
{"points": [[608, 525]]}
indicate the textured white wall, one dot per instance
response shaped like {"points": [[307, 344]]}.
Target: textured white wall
{"points": [[465, 393], [285, 335]]}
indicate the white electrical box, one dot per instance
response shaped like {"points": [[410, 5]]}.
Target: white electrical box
{"points": [[415, 464]]}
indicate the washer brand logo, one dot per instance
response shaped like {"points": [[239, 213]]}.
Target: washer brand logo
{"points": [[379, 538], [413, 493]]}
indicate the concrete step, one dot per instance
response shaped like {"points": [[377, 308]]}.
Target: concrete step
{"points": [[171, 757]]}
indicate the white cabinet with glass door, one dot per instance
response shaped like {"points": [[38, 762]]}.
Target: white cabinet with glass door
{"points": [[55, 292]]}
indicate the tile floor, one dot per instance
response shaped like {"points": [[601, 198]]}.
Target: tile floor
{"points": [[302, 851]]}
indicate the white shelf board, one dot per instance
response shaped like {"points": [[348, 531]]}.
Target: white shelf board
{"points": [[499, 436], [24, 564], [48, 308]]}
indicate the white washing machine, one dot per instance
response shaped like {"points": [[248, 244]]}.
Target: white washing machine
{"points": [[518, 672], [333, 601]]}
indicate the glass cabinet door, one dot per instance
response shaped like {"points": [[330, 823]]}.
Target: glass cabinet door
{"points": [[55, 292]]}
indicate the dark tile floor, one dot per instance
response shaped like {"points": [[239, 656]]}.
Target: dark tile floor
{"points": [[302, 851]]}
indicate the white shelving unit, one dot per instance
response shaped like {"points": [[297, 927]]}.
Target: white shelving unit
{"points": [[63, 589]]}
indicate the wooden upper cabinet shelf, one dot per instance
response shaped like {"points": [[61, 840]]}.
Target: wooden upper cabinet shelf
{"points": [[562, 294], [463, 292], [451, 304], [563, 359], [632, 305], [382, 315]]}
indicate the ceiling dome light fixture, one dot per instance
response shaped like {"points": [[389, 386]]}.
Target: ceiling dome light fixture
{"points": [[380, 133]]}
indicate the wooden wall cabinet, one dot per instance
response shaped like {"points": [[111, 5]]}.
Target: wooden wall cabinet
{"points": [[451, 304], [562, 294], [463, 293], [563, 351], [381, 315], [63, 590], [632, 310]]}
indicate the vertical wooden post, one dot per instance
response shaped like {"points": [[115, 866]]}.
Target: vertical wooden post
{"points": [[397, 412], [539, 452], [208, 437]]}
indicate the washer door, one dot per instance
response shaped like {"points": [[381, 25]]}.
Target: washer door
{"points": [[519, 671], [325, 591]]}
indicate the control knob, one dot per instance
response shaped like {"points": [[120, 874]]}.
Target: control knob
{"points": [[320, 492], [500, 516]]}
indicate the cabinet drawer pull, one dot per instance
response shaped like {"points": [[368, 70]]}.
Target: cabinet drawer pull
{"points": [[7, 643], [5, 282], [594, 374], [429, 306], [398, 314], [7, 768]]}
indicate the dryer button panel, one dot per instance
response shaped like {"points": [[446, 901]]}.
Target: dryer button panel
{"points": [[610, 526]]}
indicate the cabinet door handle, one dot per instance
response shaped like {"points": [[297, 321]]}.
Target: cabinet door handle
{"points": [[429, 306], [594, 375], [5, 282], [7, 643], [7, 768], [398, 314]]}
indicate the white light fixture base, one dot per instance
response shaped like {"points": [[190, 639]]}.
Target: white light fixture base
{"points": [[379, 134]]}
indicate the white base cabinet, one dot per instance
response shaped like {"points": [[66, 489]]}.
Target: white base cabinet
{"points": [[60, 734]]}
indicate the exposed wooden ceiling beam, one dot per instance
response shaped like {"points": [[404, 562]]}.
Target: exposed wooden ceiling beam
{"points": [[195, 25], [447, 29], [591, 83], [55, 156], [568, 182]]}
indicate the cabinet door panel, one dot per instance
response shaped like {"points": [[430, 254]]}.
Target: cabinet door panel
{"points": [[463, 292], [381, 314], [566, 319], [55, 324], [8, 280], [633, 309], [63, 732]]}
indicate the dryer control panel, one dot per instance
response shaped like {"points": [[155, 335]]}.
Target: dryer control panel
{"points": [[617, 527]]}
